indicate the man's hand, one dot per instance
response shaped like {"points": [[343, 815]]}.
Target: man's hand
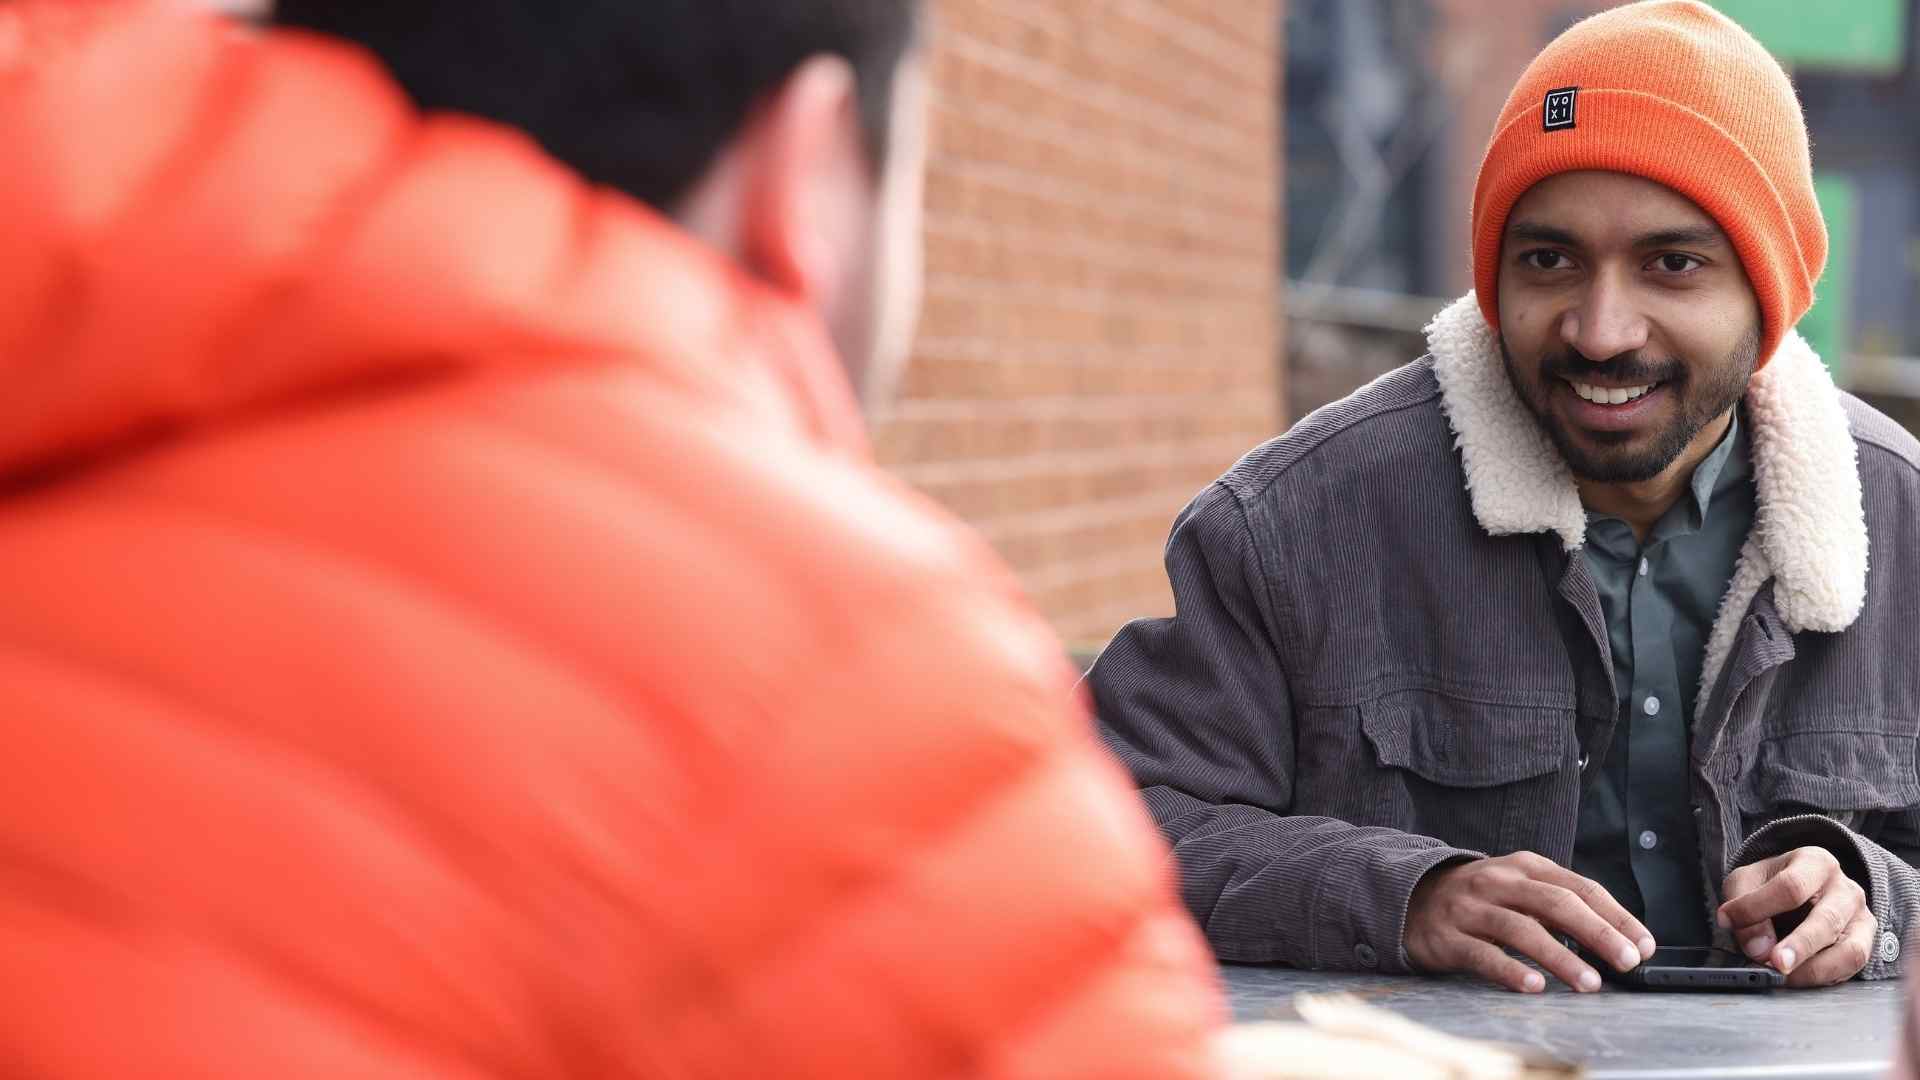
{"points": [[1462, 916], [1830, 945]]}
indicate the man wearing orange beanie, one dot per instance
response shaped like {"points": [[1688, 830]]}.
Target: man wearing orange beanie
{"points": [[1569, 627]]}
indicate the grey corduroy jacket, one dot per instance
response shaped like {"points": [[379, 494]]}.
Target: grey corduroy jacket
{"points": [[1387, 653]]}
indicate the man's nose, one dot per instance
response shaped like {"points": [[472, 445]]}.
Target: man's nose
{"points": [[1606, 323]]}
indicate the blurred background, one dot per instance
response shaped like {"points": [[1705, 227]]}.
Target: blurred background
{"points": [[1159, 231]]}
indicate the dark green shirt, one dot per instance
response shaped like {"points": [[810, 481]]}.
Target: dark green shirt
{"points": [[1636, 833]]}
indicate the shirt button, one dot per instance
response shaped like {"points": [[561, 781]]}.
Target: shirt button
{"points": [[1364, 953], [1889, 948], [1643, 566], [1648, 839], [1651, 706]]}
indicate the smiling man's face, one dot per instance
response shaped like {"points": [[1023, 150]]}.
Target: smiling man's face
{"points": [[1626, 320]]}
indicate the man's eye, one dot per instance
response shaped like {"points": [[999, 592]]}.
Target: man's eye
{"points": [[1545, 260], [1677, 264]]}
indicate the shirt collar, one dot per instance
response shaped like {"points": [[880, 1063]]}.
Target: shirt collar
{"points": [[1723, 470]]}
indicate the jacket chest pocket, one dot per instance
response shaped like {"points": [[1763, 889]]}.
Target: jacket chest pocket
{"points": [[1490, 777], [1845, 774]]}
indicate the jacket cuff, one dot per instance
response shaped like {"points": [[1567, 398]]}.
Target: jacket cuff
{"points": [[1862, 860], [1359, 914]]}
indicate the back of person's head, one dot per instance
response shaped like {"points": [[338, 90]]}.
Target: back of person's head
{"points": [[789, 133], [640, 96]]}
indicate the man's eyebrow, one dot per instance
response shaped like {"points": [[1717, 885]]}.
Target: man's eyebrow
{"points": [[1689, 236], [1532, 232]]}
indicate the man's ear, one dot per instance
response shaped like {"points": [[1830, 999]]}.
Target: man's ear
{"points": [[808, 185]]}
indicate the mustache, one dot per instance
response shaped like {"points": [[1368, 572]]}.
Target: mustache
{"points": [[1626, 368]]}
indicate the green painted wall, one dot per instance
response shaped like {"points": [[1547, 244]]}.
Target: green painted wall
{"points": [[1859, 35]]}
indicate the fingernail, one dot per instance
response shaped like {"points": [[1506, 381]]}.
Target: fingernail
{"points": [[1721, 918], [1786, 961], [1646, 948], [1629, 959], [1589, 981], [1759, 947], [1534, 982]]}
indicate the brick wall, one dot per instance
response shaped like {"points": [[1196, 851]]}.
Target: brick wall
{"points": [[1099, 337]]}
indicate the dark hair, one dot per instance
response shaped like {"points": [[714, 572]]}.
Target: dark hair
{"points": [[637, 94]]}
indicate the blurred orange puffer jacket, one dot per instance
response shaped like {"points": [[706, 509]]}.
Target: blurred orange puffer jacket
{"points": [[449, 626]]}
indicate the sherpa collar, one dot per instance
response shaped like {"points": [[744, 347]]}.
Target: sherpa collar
{"points": [[1809, 534]]}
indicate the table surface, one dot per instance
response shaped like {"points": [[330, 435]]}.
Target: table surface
{"points": [[1842, 1031]]}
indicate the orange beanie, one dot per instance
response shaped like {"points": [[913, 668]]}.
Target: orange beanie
{"points": [[1676, 92]]}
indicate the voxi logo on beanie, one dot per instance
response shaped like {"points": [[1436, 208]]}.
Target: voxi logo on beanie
{"points": [[1558, 112]]}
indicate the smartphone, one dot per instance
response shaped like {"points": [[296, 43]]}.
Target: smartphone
{"points": [[1688, 968]]}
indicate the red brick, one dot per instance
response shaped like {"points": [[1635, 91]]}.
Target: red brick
{"points": [[1101, 323]]}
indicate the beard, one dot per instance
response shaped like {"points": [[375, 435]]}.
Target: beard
{"points": [[1703, 393]]}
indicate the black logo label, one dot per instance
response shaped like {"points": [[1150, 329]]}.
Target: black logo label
{"points": [[1557, 115]]}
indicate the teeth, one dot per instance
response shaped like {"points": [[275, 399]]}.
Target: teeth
{"points": [[1609, 395]]}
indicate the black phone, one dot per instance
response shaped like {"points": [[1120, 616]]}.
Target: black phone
{"points": [[1691, 968]]}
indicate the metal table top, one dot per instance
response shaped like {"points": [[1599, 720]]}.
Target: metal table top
{"points": [[1843, 1031]]}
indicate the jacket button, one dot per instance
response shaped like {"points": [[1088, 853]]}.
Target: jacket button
{"points": [[1583, 762], [1889, 948], [1364, 953]]}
